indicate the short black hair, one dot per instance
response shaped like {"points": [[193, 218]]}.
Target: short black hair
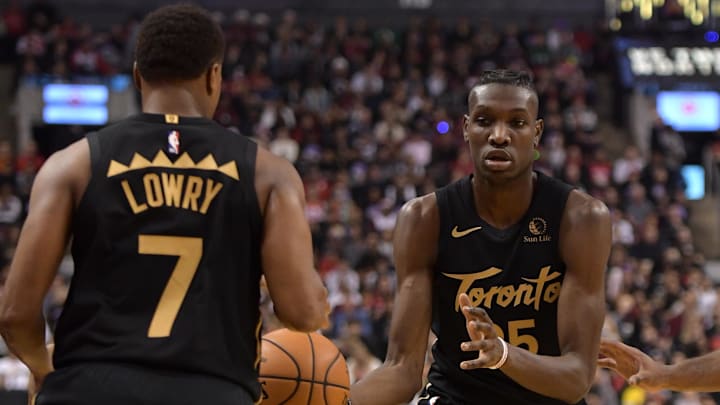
{"points": [[177, 43], [517, 78]]}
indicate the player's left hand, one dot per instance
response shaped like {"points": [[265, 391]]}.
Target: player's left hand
{"points": [[484, 338]]}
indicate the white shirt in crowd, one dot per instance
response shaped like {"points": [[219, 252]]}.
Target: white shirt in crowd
{"points": [[14, 374]]}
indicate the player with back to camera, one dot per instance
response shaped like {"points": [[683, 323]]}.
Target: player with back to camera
{"points": [[173, 221], [507, 267]]}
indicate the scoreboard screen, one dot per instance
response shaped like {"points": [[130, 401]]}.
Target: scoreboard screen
{"points": [[690, 111]]}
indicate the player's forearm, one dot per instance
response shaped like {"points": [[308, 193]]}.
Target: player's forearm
{"points": [[26, 339], [700, 374], [562, 377], [386, 385]]}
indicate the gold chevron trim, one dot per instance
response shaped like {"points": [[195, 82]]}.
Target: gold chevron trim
{"points": [[183, 162]]}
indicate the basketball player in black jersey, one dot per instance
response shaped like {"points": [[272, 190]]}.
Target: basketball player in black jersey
{"points": [[506, 265], [173, 220]]}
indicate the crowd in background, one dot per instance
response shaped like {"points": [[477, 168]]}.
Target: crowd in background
{"points": [[371, 118]]}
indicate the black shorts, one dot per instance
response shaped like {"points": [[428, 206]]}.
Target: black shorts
{"points": [[112, 384], [431, 396]]}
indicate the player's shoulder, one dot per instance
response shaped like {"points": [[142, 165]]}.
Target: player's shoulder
{"points": [[77, 154], [585, 210], [417, 230], [274, 173], [420, 212], [68, 167], [273, 168]]}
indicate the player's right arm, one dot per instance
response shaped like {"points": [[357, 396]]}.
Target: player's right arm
{"points": [[415, 250], [56, 191], [297, 292], [700, 374]]}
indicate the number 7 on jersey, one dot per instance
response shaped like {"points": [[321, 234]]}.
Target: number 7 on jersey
{"points": [[189, 251]]}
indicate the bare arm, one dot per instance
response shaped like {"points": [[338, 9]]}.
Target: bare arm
{"points": [[585, 239], [414, 243], [41, 246], [701, 374], [295, 287]]}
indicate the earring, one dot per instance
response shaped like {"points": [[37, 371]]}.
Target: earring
{"points": [[536, 154]]}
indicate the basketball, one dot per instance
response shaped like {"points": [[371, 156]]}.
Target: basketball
{"points": [[302, 368]]}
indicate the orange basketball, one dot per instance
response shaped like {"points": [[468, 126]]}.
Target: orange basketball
{"points": [[302, 368]]}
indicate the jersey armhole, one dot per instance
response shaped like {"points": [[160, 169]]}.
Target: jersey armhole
{"points": [[250, 159], [95, 152], [441, 198], [562, 206], [93, 141]]}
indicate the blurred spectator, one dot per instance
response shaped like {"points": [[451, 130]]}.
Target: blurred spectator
{"points": [[11, 207], [359, 360], [14, 375], [638, 207], [284, 146], [628, 166], [668, 142]]}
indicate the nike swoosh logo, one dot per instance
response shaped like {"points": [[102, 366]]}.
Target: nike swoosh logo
{"points": [[459, 234]]}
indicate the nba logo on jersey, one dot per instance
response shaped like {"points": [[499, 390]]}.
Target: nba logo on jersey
{"points": [[174, 142]]}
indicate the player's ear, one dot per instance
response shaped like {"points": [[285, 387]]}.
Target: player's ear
{"points": [[213, 79], [136, 77], [466, 124], [539, 127]]}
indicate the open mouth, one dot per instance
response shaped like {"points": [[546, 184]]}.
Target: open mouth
{"points": [[498, 160], [498, 156]]}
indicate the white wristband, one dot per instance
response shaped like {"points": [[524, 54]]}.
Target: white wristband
{"points": [[504, 357]]}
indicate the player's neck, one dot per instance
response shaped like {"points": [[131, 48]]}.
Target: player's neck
{"points": [[503, 204], [171, 100]]}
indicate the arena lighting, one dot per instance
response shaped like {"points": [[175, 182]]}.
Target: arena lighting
{"points": [[712, 36], [697, 18], [697, 11], [443, 127], [646, 9]]}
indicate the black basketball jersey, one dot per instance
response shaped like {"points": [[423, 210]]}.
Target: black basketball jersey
{"points": [[514, 274], [166, 245]]}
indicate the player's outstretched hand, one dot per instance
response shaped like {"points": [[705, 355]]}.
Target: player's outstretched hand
{"points": [[483, 337], [632, 364]]}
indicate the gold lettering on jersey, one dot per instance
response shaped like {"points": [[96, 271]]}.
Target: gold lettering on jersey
{"points": [[172, 185], [153, 191], [538, 228], [531, 293], [192, 193], [211, 191], [134, 206], [537, 239], [552, 293]]}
